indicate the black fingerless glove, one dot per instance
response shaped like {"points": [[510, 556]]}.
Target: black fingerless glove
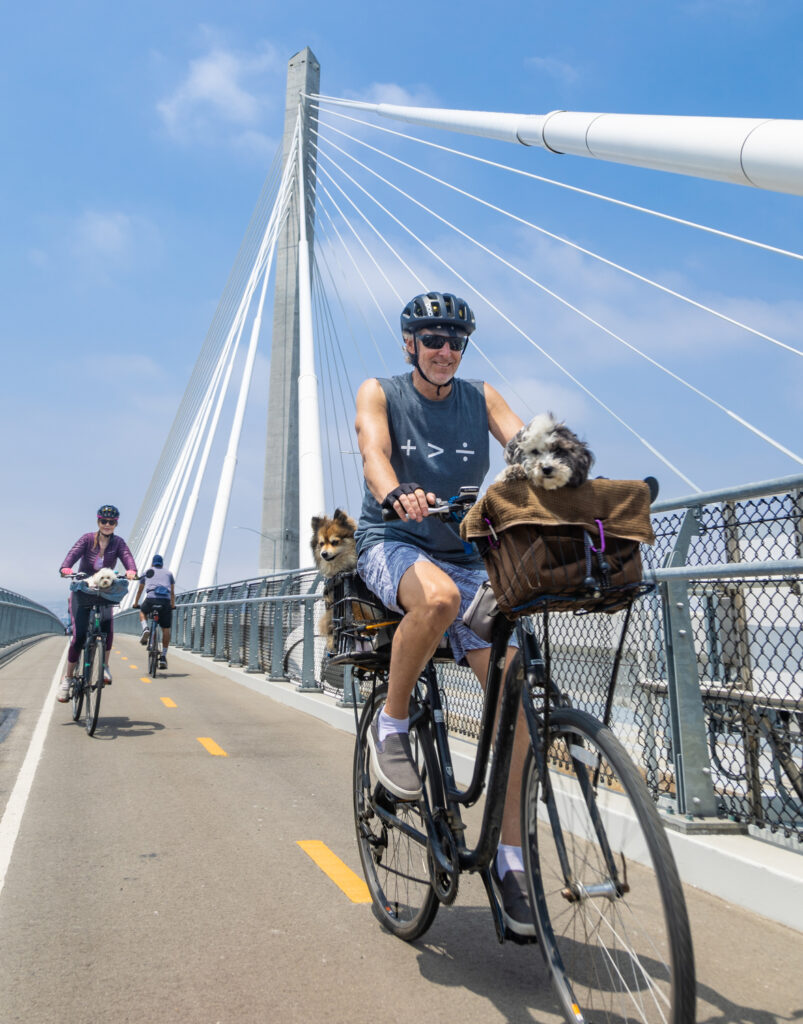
{"points": [[397, 492]]}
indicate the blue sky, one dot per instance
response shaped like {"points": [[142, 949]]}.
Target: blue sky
{"points": [[135, 143]]}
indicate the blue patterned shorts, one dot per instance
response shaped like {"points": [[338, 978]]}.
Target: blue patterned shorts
{"points": [[382, 567]]}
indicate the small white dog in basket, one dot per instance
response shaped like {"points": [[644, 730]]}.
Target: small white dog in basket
{"points": [[102, 579], [548, 454]]}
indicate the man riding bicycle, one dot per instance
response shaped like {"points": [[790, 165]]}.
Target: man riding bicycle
{"points": [[422, 435], [160, 593]]}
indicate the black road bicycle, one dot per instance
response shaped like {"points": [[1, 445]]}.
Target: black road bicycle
{"points": [[609, 909], [153, 643], [87, 681]]}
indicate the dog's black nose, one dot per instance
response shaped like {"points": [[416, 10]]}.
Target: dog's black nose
{"points": [[546, 470]]}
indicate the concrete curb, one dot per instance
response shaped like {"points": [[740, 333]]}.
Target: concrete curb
{"points": [[742, 870]]}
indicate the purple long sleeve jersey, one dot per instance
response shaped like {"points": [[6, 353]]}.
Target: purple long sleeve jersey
{"points": [[92, 560]]}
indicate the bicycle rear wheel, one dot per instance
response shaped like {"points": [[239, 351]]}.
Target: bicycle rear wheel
{"points": [[153, 656], [611, 917], [94, 685], [395, 864], [77, 695]]}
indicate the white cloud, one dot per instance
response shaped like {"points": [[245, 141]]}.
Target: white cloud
{"points": [[107, 234], [224, 98], [398, 95], [564, 73]]}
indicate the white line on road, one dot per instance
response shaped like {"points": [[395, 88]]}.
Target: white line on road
{"points": [[15, 808]]}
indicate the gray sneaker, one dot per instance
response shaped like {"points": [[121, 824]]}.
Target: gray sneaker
{"points": [[146, 635], [511, 891], [392, 763]]}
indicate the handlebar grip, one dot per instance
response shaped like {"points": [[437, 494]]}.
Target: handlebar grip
{"points": [[653, 485], [388, 514]]}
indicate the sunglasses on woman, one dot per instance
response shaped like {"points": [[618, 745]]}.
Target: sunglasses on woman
{"points": [[107, 522], [456, 342]]}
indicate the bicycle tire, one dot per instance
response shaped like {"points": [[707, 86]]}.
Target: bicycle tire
{"points": [[153, 650], [396, 866], [77, 696], [613, 955], [94, 685]]}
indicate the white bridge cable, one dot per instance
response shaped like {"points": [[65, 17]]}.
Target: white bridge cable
{"points": [[561, 184], [722, 408], [332, 420], [567, 242], [415, 275], [208, 357], [321, 259], [337, 370], [567, 373], [355, 264]]}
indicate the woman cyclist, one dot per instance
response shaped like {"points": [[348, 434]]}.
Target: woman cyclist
{"points": [[98, 550]]}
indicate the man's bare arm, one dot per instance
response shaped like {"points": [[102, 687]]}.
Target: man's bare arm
{"points": [[373, 437], [502, 421]]}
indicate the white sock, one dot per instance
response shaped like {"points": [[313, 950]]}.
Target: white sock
{"points": [[508, 858], [387, 725]]}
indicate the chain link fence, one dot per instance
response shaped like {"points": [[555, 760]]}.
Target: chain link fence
{"points": [[709, 694]]}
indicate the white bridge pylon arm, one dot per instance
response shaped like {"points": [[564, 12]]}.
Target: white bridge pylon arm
{"points": [[311, 500], [765, 153]]}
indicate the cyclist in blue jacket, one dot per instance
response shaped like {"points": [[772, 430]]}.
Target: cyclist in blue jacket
{"points": [[160, 592]]}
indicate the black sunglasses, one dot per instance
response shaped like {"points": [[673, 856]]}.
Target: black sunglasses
{"points": [[456, 342], [107, 522]]}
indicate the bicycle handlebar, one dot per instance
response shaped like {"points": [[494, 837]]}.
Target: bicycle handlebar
{"points": [[78, 576], [449, 508]]}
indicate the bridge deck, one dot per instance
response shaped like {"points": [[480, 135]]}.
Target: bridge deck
{"points": [[154, 880]]}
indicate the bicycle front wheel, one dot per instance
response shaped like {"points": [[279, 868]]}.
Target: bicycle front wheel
{"points": [[609, 906], [395, 863], [77, 695], [94, 685]]}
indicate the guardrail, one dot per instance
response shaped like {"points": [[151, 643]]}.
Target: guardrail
{"points": [[21, 619], [710, 694]]}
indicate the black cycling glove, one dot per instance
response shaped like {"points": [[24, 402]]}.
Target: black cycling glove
{"points": [[397, 492]]}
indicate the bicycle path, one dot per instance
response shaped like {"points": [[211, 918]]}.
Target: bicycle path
{"points": [[158, 878]]}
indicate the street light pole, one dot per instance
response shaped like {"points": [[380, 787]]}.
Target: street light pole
{"points": [[265, 535]]}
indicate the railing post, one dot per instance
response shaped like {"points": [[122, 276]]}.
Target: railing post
{"points": [[220, 633], [308, 680], [253, 637], [695, 789], [351, 690], [209, 604], [236, 633], [277, 644]]}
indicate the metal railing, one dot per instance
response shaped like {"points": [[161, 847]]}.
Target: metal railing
{"points": [[709, 699], [21, 619]]}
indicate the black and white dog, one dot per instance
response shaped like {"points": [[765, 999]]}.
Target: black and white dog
{"points": [[548, 454]]}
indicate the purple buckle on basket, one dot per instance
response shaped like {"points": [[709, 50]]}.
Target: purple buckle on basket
{"points": [[495, 542], [601, 547]]}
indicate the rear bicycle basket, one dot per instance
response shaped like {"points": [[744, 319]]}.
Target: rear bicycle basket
{"points": [[575, 549], [362, 627]]}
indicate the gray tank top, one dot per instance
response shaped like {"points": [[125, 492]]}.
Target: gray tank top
{"points": [[440, 445]]}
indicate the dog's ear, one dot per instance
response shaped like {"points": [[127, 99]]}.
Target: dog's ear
{"points": [[317, 522], [513, 452], [344, 519], [583, 461]]}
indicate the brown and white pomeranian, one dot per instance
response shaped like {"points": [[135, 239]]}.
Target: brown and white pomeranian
{"points": [[334, 551]]}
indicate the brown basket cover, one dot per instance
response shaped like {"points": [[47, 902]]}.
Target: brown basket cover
{"points": [[535, 543]]}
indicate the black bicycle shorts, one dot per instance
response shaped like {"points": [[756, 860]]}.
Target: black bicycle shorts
{"points": [[165, 611]]}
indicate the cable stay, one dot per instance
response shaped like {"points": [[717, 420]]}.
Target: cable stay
{"points": [[695, 225], [735, 416], [567, 242]]}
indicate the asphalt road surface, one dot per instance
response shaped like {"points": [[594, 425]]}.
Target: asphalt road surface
{"points": [[154, 874]]}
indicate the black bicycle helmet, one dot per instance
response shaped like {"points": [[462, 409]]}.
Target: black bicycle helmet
{"points": [[438, 309], [108, 512]]}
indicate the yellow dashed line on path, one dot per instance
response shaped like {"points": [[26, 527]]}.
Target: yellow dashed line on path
{"points": [[133, 666], [145, 679], [123, 657], [341, 874], [168, 703], [212, 747]]}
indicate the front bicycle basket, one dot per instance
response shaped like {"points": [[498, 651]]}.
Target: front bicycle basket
{"points": [[87, 595], [361, 626], [576, 549]]}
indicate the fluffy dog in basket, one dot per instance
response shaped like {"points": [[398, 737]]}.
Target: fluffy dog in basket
{"points": [[334, 551], [102, 579], [548, 454]]}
